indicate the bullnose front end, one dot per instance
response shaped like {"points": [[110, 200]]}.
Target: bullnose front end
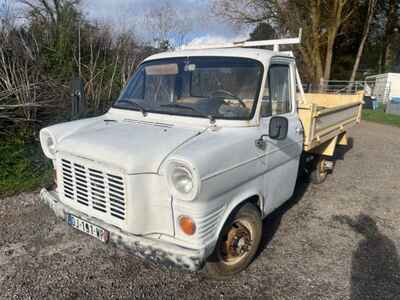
{"points": [[130, 201]]}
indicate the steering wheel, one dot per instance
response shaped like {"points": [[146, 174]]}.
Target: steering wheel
{"points": [[227, 93]]}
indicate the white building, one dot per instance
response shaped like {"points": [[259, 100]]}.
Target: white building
{"points": [[384, 86]]}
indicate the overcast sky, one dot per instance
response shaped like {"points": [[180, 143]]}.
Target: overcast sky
{"points": [[128, 14]]}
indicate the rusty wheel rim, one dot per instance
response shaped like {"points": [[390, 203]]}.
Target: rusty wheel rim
{"points": [[322, 171], [236, 243]]}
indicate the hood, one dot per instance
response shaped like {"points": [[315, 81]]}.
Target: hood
{"points": [[135, 147]]}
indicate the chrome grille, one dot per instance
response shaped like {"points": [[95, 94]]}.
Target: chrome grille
{"points": [[96, 189]]}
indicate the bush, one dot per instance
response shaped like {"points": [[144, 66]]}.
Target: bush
{"points": [[23, 167]]}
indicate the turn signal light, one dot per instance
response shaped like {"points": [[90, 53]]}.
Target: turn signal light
{"points": [[187, 225]]}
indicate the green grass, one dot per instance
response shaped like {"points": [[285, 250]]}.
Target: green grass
{"points": [[379, 116], [23, 167]]}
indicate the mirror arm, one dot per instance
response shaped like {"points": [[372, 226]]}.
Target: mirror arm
{"points": [[260, 142]]}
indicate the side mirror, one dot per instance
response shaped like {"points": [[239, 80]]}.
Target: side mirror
{"points": [[278, 128]]}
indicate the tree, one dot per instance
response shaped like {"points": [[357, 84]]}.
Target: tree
{"points": [[338, 12], [321, 21], [52, 11], [263, 31], [168, 24], [55, 25], [40, 55], [390, 9], [8, 15], [367, 25]]}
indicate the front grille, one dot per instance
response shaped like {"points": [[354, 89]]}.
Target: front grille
{"points": [[92, 188]]}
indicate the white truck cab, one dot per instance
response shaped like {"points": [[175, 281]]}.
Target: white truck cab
{"points": [[200, 146]]}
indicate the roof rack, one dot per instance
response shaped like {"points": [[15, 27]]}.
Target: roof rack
{"points": [[244, 44]]}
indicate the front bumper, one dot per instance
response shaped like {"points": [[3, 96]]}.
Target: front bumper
{"points": [[148, 248]]}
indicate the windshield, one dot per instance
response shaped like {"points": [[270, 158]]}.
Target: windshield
{"points": [[209, 87]]}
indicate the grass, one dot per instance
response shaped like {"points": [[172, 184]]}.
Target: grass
{"points": [[23, 167], [379, 116]]}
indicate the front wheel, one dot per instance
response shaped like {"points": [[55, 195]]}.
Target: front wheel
{"points": [[237, 244]]}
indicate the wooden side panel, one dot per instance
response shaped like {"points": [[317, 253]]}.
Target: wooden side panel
{"points": [[326, 118], [332, 100]]}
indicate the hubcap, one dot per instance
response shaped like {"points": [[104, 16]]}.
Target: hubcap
{"points": [[236, 243]]}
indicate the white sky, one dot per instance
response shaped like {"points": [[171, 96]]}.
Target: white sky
{"points": [[128, 15]]}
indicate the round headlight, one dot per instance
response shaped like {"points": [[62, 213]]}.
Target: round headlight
{"points": [[48, 144], [182, 181], [51, 145]]}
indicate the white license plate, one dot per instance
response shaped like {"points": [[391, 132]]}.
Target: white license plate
{"points": [[86, 227]]}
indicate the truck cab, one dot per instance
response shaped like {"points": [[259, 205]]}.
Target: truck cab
{"points": [[200, 146]]}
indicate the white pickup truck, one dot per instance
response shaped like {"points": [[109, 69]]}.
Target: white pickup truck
{"points": [[201, 145]]}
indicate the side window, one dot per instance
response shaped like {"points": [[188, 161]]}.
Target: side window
{"points": [[266, 109], [276, 98]]}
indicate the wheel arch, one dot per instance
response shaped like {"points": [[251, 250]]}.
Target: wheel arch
{"points": [[255, 198]]}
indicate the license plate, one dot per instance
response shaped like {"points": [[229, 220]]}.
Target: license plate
{"points": [[89, 228]]}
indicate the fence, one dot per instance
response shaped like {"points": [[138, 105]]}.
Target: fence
{"points": [[339, 87]]}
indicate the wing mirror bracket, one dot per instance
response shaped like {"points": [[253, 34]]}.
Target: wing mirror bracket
{"points": [[277, 130]]}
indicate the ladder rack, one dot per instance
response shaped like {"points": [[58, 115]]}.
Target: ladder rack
{"points": [[244, 44]]}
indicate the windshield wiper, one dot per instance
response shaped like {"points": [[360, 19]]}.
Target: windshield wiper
{"points": [[175, 105], [135, 104]]}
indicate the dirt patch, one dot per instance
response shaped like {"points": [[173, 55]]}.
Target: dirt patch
{"points": [[339, 240]]}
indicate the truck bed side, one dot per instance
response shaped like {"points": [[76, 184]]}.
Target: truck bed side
{"points": [[326, 117]]}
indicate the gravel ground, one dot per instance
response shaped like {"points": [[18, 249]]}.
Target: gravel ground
{"points": [[337, 240]]}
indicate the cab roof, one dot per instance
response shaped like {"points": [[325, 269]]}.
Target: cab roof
{"points": [[261, 55]]}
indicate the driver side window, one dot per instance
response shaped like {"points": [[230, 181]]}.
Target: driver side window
{"points": [[276, 97]]}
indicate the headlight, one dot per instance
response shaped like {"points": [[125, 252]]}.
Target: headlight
{"points": [[48, 144], [182, 180]]}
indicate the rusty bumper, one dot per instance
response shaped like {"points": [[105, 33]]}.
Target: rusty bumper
{"points": [[148, 248]]}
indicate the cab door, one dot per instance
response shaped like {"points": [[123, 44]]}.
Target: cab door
{"points": [[282, 157]]}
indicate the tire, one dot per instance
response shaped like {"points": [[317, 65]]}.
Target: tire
{"points": [[237, 244], [319, 173]]}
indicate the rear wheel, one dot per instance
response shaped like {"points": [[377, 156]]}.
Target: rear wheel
{"points": [[237, 244], [320, 170]]}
